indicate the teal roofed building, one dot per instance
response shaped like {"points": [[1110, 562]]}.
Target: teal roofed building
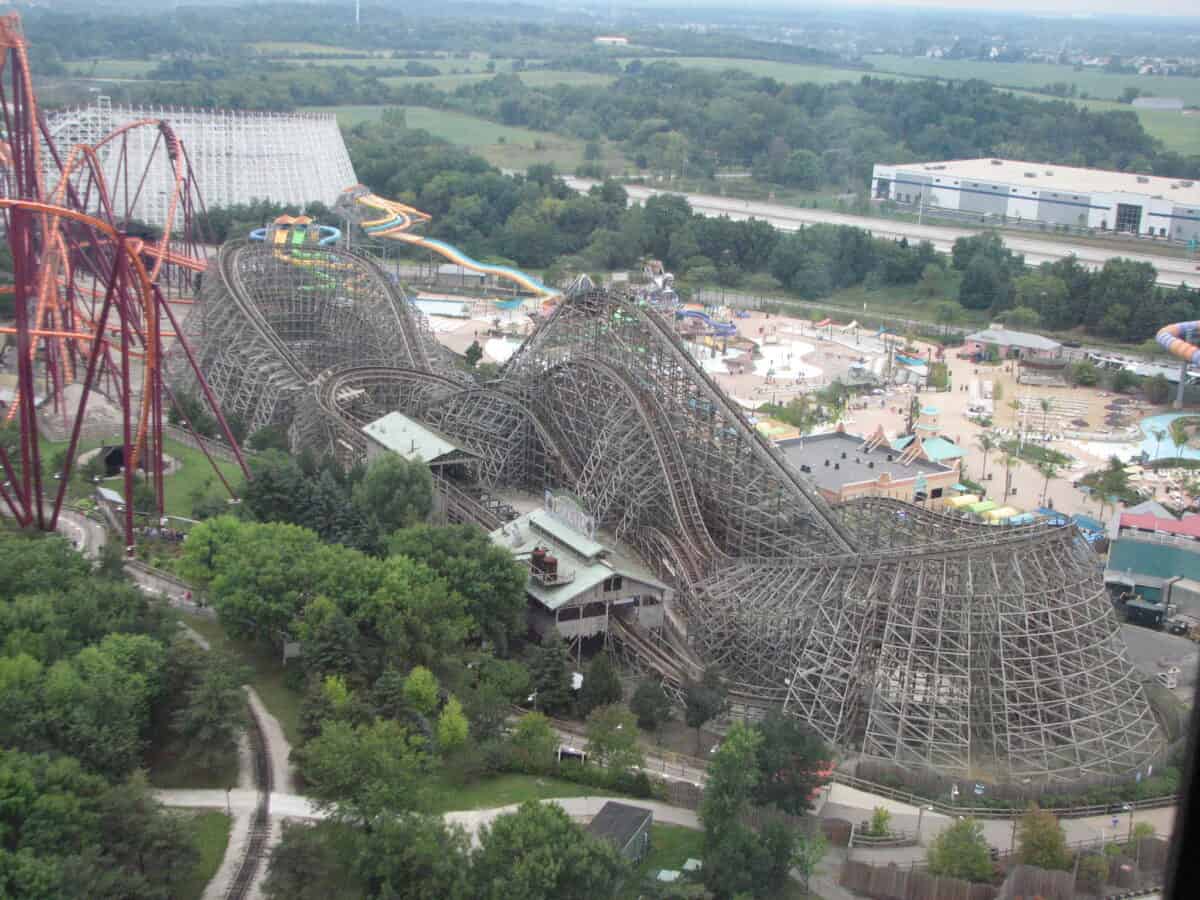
{"points": [[580, 579], [934, 449], [1157, 558]]}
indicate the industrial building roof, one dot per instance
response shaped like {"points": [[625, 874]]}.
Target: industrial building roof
{"points": [[409, 438], [1002, 337], [1061, 178], [823, 454]]}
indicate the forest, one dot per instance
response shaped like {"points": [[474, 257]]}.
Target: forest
{"points": [[676, 119]]}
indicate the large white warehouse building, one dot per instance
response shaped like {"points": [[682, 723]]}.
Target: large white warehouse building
{"points": [[999, 190]]}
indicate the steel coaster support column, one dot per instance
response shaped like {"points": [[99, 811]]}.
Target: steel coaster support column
{"points": [[126, 402], [88, 381]]}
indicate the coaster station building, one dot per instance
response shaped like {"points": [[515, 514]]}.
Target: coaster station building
{"points": [[1002, 190]]}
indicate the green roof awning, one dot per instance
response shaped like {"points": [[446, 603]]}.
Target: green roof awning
{"points": [[982, 506]]}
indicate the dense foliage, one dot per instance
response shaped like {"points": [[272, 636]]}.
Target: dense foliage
{"points": [[89, 679], [674, 118]]}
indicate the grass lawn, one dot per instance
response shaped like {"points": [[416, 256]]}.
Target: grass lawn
{"points": [[534, 78], [503, 790], [503, 146], [111, 68], [789, 73], [212, 836], [267, 673], [194, 472], [169, 769], [1096, 84]]}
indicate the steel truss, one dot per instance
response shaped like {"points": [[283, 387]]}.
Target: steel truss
{"points": [[907, 636]]}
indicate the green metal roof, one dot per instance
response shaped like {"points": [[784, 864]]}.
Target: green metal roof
{"points": [[409, 438], [565, 534], [576, 554], [939, 449]]}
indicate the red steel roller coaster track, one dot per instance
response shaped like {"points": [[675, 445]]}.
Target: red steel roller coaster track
{"points": [[89, 300]]}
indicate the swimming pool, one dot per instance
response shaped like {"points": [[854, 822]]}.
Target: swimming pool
{"points": [[1165, 449]]}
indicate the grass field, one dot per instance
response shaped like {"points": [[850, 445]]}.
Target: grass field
{"points": [[535, 78], [112, 68], [790, 73], [212, 837], [1096, 84], [194, 472], [1177, 132], [501, 145], [266, 673], [291, 48]]}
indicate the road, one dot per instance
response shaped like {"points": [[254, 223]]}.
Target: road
{"points": [[1037, 250]]}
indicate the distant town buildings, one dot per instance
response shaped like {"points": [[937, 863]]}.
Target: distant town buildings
{"points": [[1009, 191], [611, 41]]}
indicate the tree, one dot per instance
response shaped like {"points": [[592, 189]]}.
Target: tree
{"points": [[1158, 389], [790, 759], [395, 492], [612, 735], [1022, 318], [703, 701], [534, 743], [1179, 435], [601, 686], [946, 314], [809, 851], [414, 857], [961, 851], [1048, 471], [1159, 434], [1124, 381], [452, 728], [213, 713], [538, 853], [550, 668], [987, 444], [1011, 461], [1041, 841], [357, 774], [421, 691], [1084, 373], [473, 354], [1093, 870], [489, 579], [984, 285], [935, 283], [650, 704]]}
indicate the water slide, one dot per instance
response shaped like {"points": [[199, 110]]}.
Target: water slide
{"points": [[398, 220], [721, 329], [1179, 340]]}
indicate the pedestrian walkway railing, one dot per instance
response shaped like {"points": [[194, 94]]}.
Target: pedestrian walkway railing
{"points": [[988, 812]]}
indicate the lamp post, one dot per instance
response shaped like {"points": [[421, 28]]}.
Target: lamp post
{"points": [[921, 810]]}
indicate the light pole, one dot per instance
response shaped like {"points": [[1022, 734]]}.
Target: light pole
{"points": [[921, 810]]}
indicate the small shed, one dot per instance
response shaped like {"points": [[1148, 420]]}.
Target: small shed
{"points": [[626, 827]]}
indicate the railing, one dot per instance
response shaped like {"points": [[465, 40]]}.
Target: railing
{"points": [[981, 812], [551, 579]]}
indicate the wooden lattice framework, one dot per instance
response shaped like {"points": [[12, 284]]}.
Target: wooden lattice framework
{"points": [[907, 636]]}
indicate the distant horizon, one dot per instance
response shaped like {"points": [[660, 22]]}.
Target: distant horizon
{"points": [[1062, 9]]}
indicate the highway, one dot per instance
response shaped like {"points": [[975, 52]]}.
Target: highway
{"points": [[1037, 250]]}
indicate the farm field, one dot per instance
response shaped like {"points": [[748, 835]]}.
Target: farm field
{"points": [[790, 73], [1177, 131], [447, 65], [535, 78], [502, 145], [1099, 85], [291, 48]]}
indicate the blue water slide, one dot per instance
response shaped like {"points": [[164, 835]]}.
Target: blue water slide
{"points": [[721, 329]]}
